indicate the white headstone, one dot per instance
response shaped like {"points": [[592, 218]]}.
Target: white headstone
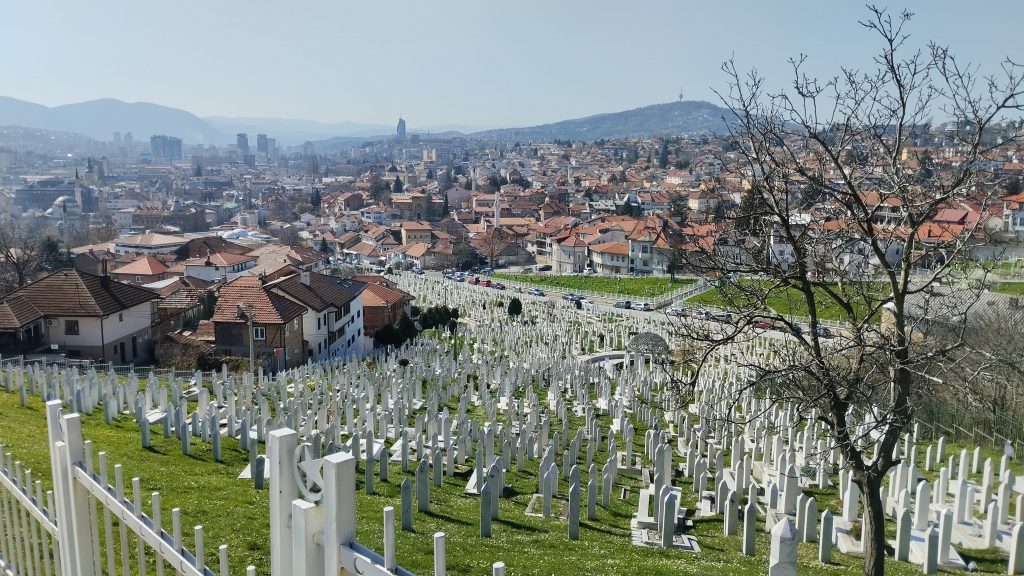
{"points": [[784, 540]]}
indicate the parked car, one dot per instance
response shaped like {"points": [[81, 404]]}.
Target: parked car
{"points": [[724, 317], [764, 325], [498, 286], [535, 292], [474, 281], [569, 297], [485, 283], [487, 271], [543, 268], [625, 304], [643, 307], [823, 332], [701, 314], [676, 311]]}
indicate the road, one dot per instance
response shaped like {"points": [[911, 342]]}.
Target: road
{"points": [[602, 308]]}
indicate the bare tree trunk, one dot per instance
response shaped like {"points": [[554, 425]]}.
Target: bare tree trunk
{"points": [[873, 530]]}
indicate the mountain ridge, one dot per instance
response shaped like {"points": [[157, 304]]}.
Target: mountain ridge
{"points": [[99, 119]]}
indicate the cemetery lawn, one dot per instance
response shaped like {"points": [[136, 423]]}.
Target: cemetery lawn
{"points": [[233, 513], [1008, 288], [788, 301], [625, 286]]}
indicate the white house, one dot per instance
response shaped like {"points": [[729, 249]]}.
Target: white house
{"points": [[333, 322], [81, 315], [218, 265]]}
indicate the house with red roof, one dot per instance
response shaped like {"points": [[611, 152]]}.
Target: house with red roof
{"points": [[248, 312], [81, 315], [383, 305], [333, 321], [143, 270]]}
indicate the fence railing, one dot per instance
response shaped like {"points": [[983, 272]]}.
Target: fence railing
{"points": [[84, 525], [959, 423], [29, 542]]}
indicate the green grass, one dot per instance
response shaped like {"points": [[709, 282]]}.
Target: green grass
{"points": [[1009, 288], [627, 286], [233, 513], [786, 301]]}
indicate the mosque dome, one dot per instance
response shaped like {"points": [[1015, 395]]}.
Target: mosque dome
{"points": [[64, 203]]}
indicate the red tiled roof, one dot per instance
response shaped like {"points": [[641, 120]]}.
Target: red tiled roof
{"points": [[321, 293], [144, 266], [71, 293], [268, 308], [380, 295], [611, 248]]}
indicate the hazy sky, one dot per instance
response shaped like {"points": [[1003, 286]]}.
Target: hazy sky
{"points": [[475, 62]]}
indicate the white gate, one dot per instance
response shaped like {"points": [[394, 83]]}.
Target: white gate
{"points": [[29, 543], [84, 528]]}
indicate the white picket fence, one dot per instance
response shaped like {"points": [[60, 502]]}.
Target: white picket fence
{"points": [[81, 527]]}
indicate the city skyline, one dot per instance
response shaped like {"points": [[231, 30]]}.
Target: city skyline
{"points": [[459, 63]]}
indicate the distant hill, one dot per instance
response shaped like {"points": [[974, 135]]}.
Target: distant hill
{"points": [[99, 119], [687, 117], [38, 140]]}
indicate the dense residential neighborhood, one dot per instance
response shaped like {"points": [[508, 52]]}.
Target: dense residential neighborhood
{"points": [[216, 248], [573, 288]]}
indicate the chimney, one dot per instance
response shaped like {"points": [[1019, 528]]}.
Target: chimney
{"points": [[304, 278]]}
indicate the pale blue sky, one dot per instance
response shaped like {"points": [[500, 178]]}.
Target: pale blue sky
{"points": [[479, 62]]}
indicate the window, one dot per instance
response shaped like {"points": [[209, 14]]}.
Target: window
{"points": [[71, 327], [138, 278], [259, 333]]}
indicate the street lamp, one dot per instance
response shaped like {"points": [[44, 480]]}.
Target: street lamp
{"points": [[246, 311]]}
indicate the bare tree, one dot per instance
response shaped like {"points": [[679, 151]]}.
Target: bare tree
{"points": [[843, 219], [20, 243], [492, 244]]}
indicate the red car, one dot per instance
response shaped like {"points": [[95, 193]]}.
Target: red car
{"points": [[474, 280], [485, 283]]}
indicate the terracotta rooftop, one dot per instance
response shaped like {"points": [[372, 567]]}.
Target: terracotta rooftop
{"points": [[268, 308], [323, 291], [144, 266], [70, 293], [380, 295]]}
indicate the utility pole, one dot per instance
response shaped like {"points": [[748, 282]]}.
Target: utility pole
{"points": [[245, 311]]}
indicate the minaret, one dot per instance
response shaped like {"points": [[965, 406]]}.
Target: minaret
{"points": [[78, 189], [65, 224]]}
